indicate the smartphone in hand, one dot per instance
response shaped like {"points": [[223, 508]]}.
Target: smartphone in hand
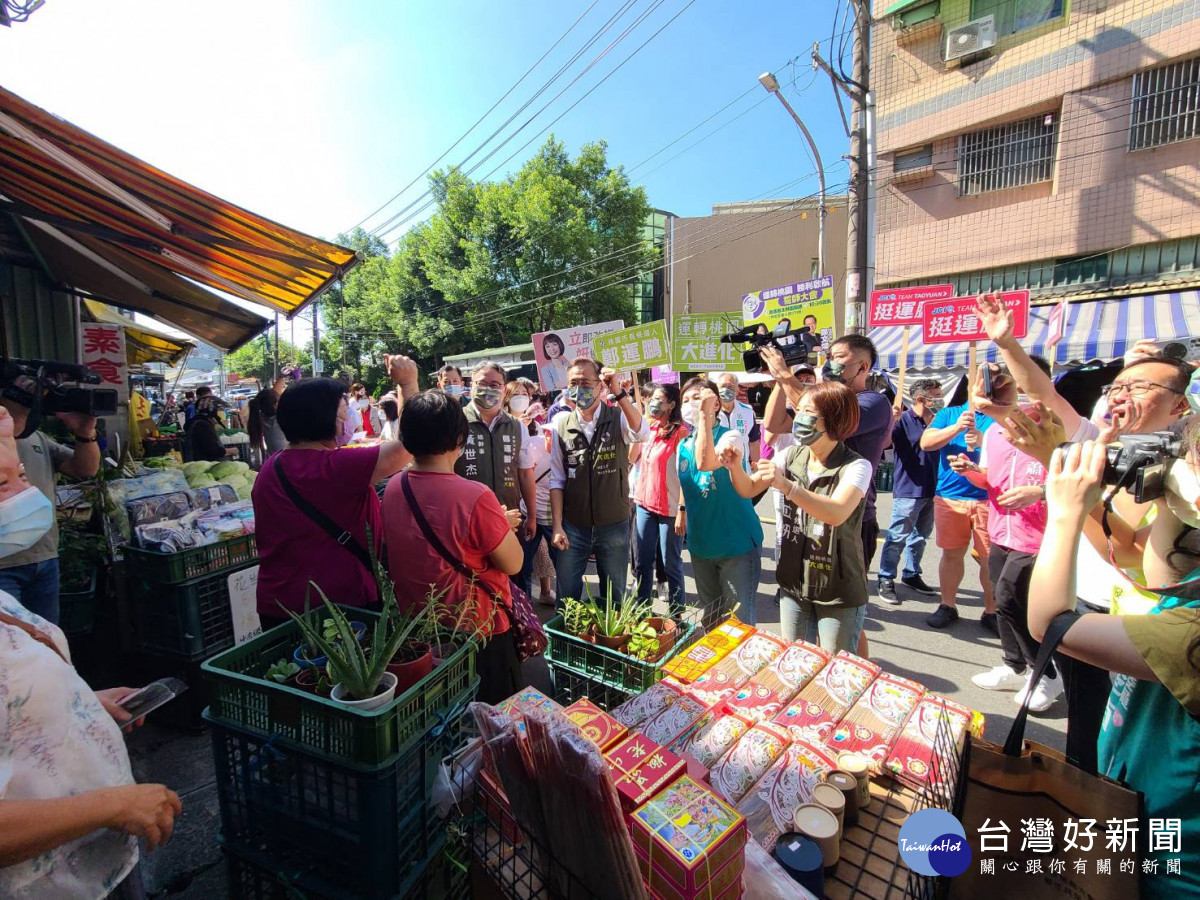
{"points": [[158, 693]]}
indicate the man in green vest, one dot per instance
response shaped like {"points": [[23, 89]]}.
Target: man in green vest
{"points": [[494, 454], [589, 479]]}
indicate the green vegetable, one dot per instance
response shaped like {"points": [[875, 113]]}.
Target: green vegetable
{"points": [[222, 470], [199, 481]]}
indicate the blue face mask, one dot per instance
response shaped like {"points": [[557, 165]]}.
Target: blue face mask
{"points": [[804, 430], [582, 397], [24, 518]]}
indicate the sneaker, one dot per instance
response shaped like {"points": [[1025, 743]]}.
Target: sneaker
{"points": [[887, 592], [943, 617], [1047, 691], [1001, 678], [988, 621], [917, 583]]}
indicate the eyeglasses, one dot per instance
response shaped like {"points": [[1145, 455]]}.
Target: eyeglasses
{"points": [[1137, 389]]}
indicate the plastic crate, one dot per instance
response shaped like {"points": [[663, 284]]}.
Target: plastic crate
{"points": [[173, 568], [159, 446], [570, 686], [190, 620], [241, 697], [365, 831], [77, 609], [610, 667]]}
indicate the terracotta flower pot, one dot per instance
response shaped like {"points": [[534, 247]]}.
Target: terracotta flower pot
{"points": [[443, 650], [309, 679], [613, 643], [667, 630], [410, 664]]}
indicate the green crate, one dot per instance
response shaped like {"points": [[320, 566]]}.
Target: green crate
{"points": [[77, 609], [610, 667], [190, 621], [570, 686], [241, 697], [172, 568]]}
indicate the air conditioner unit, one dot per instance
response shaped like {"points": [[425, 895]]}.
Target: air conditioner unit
{"points": [[970, 41]]}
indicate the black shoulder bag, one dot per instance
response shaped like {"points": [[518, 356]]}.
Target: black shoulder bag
{"points": [[342, 536]]}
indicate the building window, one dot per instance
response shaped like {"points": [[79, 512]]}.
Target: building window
{"points": [[1166, 105], [916, 158], [1017, 15], [1007, 156]]}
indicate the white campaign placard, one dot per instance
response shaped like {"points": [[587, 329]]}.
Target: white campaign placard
{"points": [[243, 604]]}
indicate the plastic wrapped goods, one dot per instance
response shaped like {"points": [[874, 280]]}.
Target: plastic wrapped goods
{"points": [[764, 696], [771, 804], [813, 713], [739, 665], [747, 761], [874, 721]]}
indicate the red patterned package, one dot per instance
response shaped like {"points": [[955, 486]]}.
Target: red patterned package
{"points": [[771, 804], [874, 721], [815, 711], [911, 756], [764, 696], [745, 661]]}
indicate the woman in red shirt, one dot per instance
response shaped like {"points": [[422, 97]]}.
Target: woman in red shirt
{"points": [[471, 549], [657, 496]]}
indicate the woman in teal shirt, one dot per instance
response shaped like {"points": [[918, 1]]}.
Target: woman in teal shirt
{"points": [[716, 513], [1150, 739]]}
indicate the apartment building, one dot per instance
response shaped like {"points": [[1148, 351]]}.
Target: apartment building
{"points": [[1048, 145]]}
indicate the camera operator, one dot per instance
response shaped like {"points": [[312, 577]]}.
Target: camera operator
{"points": [[31, 576], [1150, 737]]}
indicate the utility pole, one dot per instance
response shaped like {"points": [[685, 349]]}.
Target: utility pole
{"points": [[858, 229], [316, 337]]}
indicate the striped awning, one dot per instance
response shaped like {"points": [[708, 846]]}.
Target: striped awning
{"points": [[1098, 329]]}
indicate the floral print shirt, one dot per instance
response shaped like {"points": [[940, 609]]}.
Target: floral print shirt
{"points": [[56, 740]]}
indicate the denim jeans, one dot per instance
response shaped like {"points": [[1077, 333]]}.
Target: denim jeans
{"points": [[724, 582], [611, 545], [524, 578], [653, 529], [833, 628], [34, 586], [912, 523]]}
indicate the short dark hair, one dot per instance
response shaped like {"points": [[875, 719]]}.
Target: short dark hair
{"points": [[858, 342], [554, 338], [921, 385], [308, 410], [1181, 372], [203, 392], [838, 406], [391, 409], [698, 381], [432, 423], [809, 316], [1042, 363], [447, 369], [583, 361]]}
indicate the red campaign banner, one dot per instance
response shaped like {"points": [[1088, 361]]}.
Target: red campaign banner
{"points": [[951, 321], [902, 306]]}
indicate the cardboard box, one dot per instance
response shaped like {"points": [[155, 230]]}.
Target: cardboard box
{"points": [[766, 694], [640, 769], [741, 663], [690, 843], [771, 804], [747, 761], [528, 698], [707, 651], [813, 713], [597, 726], [873, 723], [674, 721], [640, 707]]}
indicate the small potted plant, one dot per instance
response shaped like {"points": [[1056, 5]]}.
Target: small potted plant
{"points": [[611, 626], [282, 671], [578, 618], [666, 631], [307, 655]]}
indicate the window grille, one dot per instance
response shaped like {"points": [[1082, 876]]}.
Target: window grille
{"points": [[1007, 156], [1166, 105]]}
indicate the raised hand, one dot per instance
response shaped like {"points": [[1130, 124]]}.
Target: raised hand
{"points": [[996, 319], [1038, 435]]}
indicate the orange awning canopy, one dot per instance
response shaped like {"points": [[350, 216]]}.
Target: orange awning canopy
{"points": [[91, 208]]}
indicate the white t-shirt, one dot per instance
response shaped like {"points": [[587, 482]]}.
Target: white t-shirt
{"points": [[740, 419], [857, 473]]}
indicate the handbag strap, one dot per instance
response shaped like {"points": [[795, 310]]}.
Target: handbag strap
{"points": [[341, 535], [34, 632], [455, 563], [1055, 632]]}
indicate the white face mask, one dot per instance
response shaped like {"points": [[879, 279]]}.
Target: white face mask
{"points": [[519, 403], [1183, 492], [691, 412], [24, 518]]}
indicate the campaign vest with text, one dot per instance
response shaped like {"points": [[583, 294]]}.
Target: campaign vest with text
{"points": [[597, 491], [490, 456], [818, 562]]}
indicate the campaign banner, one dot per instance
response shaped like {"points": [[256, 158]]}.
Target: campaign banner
{"points": [[902, 306], [554, 350], [950, 321], [696, 344], [637, 347], [804, 302]]}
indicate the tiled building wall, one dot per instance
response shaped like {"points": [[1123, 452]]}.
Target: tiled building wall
{"points": [[1078, 69]]}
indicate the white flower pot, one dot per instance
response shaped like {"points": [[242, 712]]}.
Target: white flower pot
{"points": [[387, 690]]}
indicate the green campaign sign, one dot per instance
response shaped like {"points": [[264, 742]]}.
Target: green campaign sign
{"points": [[639, 347], [696, 344]]}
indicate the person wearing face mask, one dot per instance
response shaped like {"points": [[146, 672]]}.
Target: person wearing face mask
{"points": [[493, 454], [1150, 733], [716, 511], [537, 534], [201, 441], [471, 532], [912, 495], [822, 573], [314, 501], [362, 404], [735, 413], [450, 380], [589, 479], [656, 495]]}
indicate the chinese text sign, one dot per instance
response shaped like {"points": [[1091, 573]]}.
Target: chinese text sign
{"points": [[696, 344], [951, 321], [797, 302], [902, 306], [554, 350], [639, 347]]}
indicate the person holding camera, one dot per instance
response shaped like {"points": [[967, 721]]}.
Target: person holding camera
{"points": [[1150, 735], [31, 576]]}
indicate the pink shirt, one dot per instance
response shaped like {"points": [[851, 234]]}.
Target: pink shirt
{"points": [[468, 520], [1007, 467], [294, 549], [657, 488]]}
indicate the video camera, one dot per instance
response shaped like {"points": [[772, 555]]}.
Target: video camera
{"points": [[794, 346], [1139, 463], [44, 387]]}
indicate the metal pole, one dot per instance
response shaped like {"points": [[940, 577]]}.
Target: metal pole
{"points": [[858, 227], [316, 338], [812, 145], [276, 347]]}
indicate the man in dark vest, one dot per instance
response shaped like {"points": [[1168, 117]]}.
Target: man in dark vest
{"points": [[493, 453], [589, 479]]}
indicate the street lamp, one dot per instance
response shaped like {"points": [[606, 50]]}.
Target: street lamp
{"points": [[772, 85]]}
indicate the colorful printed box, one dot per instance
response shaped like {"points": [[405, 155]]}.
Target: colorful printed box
{"points": [[747, 761], [766, 694], [597, 726], [911, 757], [771, 804], [529, 698], [640, 707], [739, 666], [814, 712], [690, 843], [712, 740], [674, 721], [640, 769], [874, 721], [708, 651]]}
